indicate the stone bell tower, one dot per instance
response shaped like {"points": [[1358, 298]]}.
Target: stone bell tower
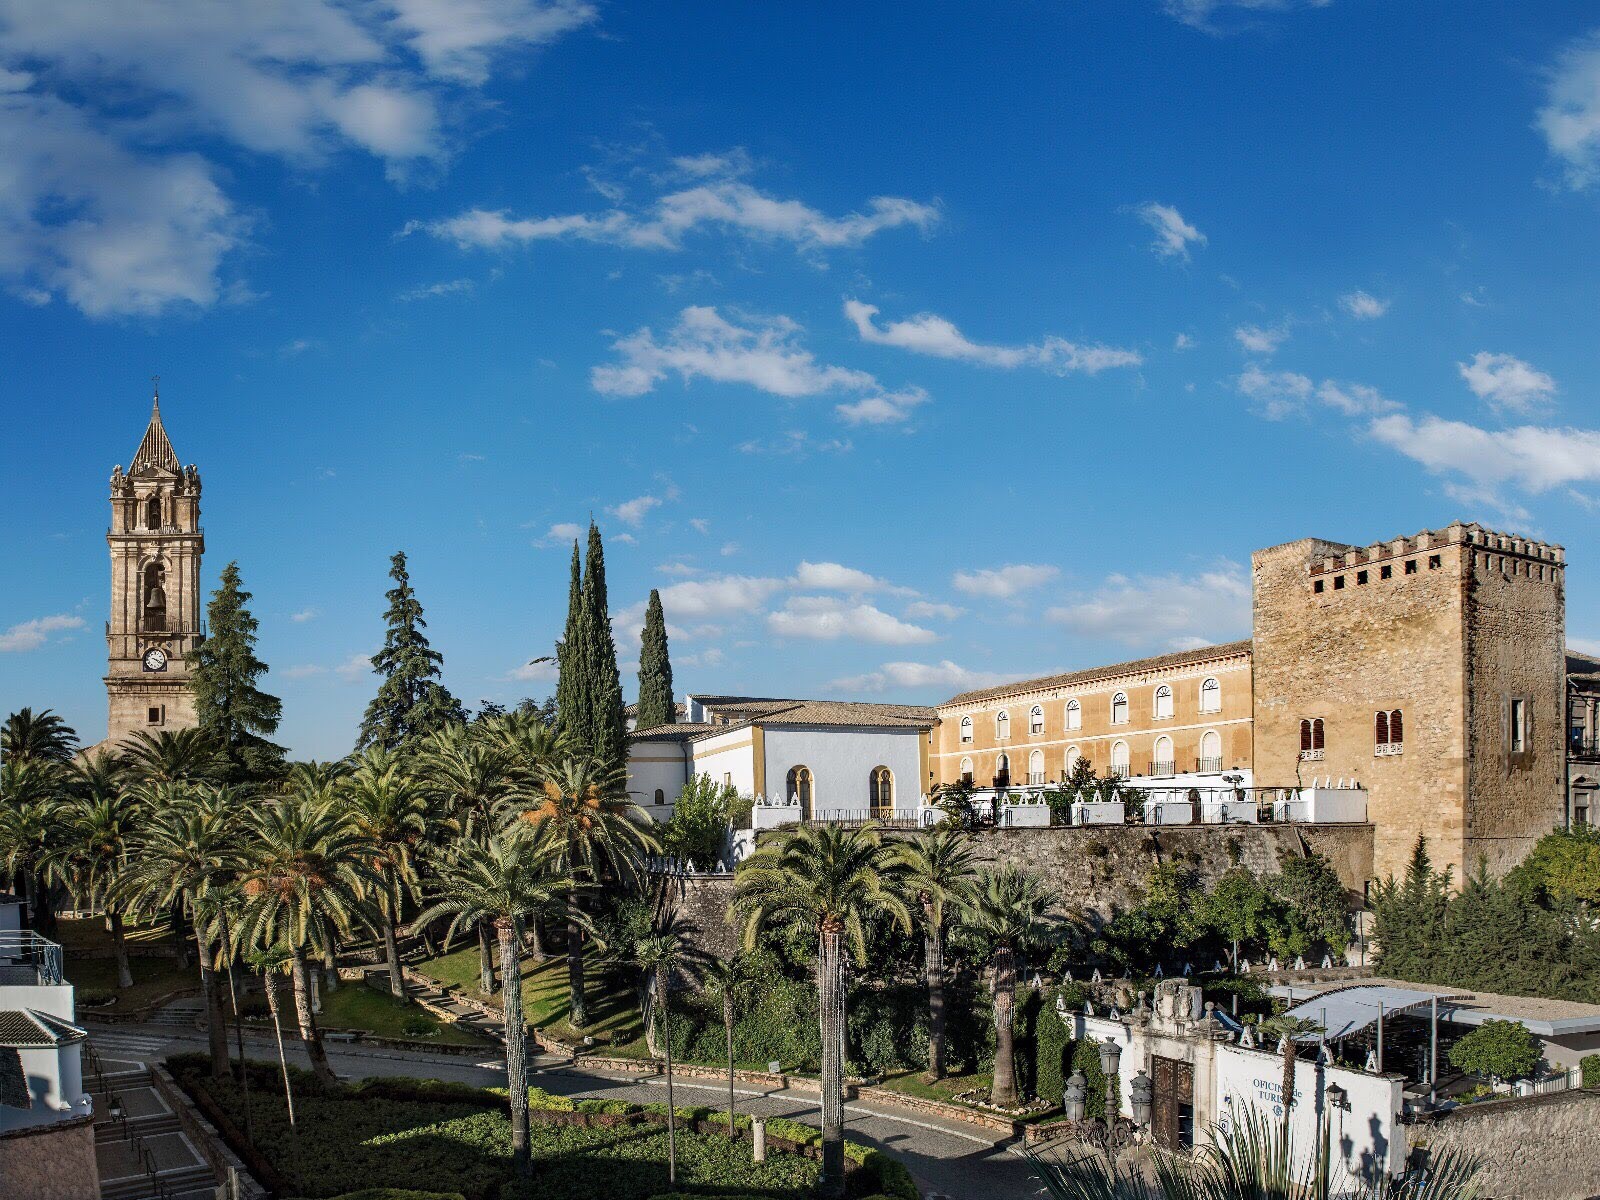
{"points": [[156, 543]]}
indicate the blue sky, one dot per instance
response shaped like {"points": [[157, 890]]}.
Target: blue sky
{"points": [[904, 349]]}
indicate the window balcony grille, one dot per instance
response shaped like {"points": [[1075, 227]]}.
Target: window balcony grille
{"points": [[26, 959], [1164, 768], [1311, 755], [1583, 747], [1119, 771], [1387, 749], [1208, 766]]}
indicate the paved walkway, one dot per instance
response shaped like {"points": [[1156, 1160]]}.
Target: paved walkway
{"points": [[949, 1159]]}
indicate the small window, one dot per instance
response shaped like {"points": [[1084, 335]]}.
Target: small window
{"points": [[154, 716], [1119, 760], [966, 729], [1397, 732], [1317, 587], [1210, 752], [661, 796], [1162, 762], [1434, 562], [1380, 728], [1211, 696], [1316, 733], [1519, 726], [1361, 579], [152, 512], [1338, 583], [1411, 566], [1119, 709], [880, 791], [1036, 719], [1036, 768], [1163, 702], [1002, 771], [1074, 715], [799, 788], [1072, 759], [727, 778], [1002, 725], [1386, 571], [966, 770], [1305, 736]]}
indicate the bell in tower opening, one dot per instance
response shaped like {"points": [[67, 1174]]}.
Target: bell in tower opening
{"points": [[155, 598]]}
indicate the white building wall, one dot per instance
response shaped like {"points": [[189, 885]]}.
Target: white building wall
{"points": [[654, 766], [55, 1081], [728, 758], [841, 761]]}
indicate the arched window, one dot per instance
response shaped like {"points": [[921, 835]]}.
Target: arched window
{"points": [[1074, 715], [152, 511], [1388, 731], [966, 729], [1311, 738], [1002, 771], [661, 796], [1036, 767], [966, 770], [1119, 760], [1210, 696], [1305, 735], [1316, 733], [1119, 709], [1072, 758], [1163, 702], [155, 598], [1380, 729], [799, 789], [1211, 751], [1162, 762], [880, 790], [1002, 725], [1397, 731], [1036, 719]]}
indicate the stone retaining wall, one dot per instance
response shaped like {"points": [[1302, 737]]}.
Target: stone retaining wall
{"points": [[50, 1162], [1539, 1148]]}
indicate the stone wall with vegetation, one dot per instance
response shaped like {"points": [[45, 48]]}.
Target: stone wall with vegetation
{"points": [[1542, 1148]]}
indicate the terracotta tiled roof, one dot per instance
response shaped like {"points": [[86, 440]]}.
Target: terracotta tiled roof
{"points": [[1094, 674], [26, 1027], [682, 731], [155, 452], [744, 711]]}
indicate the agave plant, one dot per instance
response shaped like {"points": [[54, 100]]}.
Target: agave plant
{"points": [[1254, 1158]]}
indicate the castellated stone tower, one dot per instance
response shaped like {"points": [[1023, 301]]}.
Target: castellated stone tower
{"points": [[1430, 669], [156, 543]]}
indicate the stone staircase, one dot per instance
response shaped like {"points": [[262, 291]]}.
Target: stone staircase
{"points": [[142, 1151]]}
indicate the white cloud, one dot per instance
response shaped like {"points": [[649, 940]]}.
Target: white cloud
{"points": [[1260, 341], [699, 524], [632, 512], [885, 408], [30, 635], [1570, 118], [829, 618], [1363, 306], [1202, 14], [1507, 383], [908, 675], [928, 333], [703, 344], [795, 443], [303, 671], [729, 549], [1183, 342], [1174, 235], [924, 609], [304, 615], [1589, 646], [720, 595], [728, 204], [1534, 458], [678, 570], [1003, 582], [431, 291], [355, 667], [711, 656], [835, 577], [529, 671], [1169, 611], [101, 199], [1280, 394], [562, 532]]}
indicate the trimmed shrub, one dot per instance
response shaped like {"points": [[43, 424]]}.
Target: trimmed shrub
{"points": [[1051, 1046], [1086, 1058], [1589, 1070], [1497, 1050]]}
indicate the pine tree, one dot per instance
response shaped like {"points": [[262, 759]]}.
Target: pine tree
{"points": [[656, 706], [231, 708], [607, 728], [570, 703], [411, 702]]}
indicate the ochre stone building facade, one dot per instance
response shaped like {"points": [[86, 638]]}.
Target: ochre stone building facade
{"points": [[156, 544], [1431, 670]]}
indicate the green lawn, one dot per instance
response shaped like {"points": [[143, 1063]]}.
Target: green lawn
{"points": [[914, 1083], [90, 933], [152, 977], [357, 1006], [613, 1012]]}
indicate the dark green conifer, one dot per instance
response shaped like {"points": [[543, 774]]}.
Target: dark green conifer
{"points": [[224, 671], [656, 706], [411, 702], [607, 729], [569, 672]]}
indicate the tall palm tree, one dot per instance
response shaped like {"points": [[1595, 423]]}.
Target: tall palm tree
{"points": [[173, 756], [306, 877], [581, 808], [1014, 912], [37, 737], [1250, 1159], [829, 880], [1288, 1030], [471, 775], [389, 812], [98, 824], [938, 870], [32, 792], [724, 975], [188, 850], [662, 954], [270, 962], [504, 879]]}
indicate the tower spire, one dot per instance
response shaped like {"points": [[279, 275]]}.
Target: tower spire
{"points": [[155, 450]]}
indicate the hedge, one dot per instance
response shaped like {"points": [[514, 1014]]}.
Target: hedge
{"points": [[1589, 1070]]}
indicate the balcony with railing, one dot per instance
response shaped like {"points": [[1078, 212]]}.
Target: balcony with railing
{"points": [[28, 960], [1585, 748], [1163, 769]]}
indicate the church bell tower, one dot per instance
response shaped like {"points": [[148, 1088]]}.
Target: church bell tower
{"points": [[156, 543]]}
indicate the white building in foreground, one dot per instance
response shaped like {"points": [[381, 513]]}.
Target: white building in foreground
{"points": [[819, 759]]}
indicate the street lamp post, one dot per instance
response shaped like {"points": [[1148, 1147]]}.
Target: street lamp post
{"points": [[1143, 1092], [1110, 1055], [1074, 1100]]}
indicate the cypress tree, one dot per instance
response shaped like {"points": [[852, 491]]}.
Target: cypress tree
{"points": [[411, 702], [236, 713], [607, 728], [656, 706], [569, 684]]}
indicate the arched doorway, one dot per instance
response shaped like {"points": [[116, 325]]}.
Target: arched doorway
{"points": [[880, 791], [799, 789]]}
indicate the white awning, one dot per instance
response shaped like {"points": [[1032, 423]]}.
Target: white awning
{"points": [[1342, 1012]]}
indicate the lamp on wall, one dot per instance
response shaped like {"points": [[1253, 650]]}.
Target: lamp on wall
{"points": [[1336, 1097]]}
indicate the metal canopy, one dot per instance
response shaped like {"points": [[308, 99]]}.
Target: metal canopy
{"points": [[1345, 1011]]}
